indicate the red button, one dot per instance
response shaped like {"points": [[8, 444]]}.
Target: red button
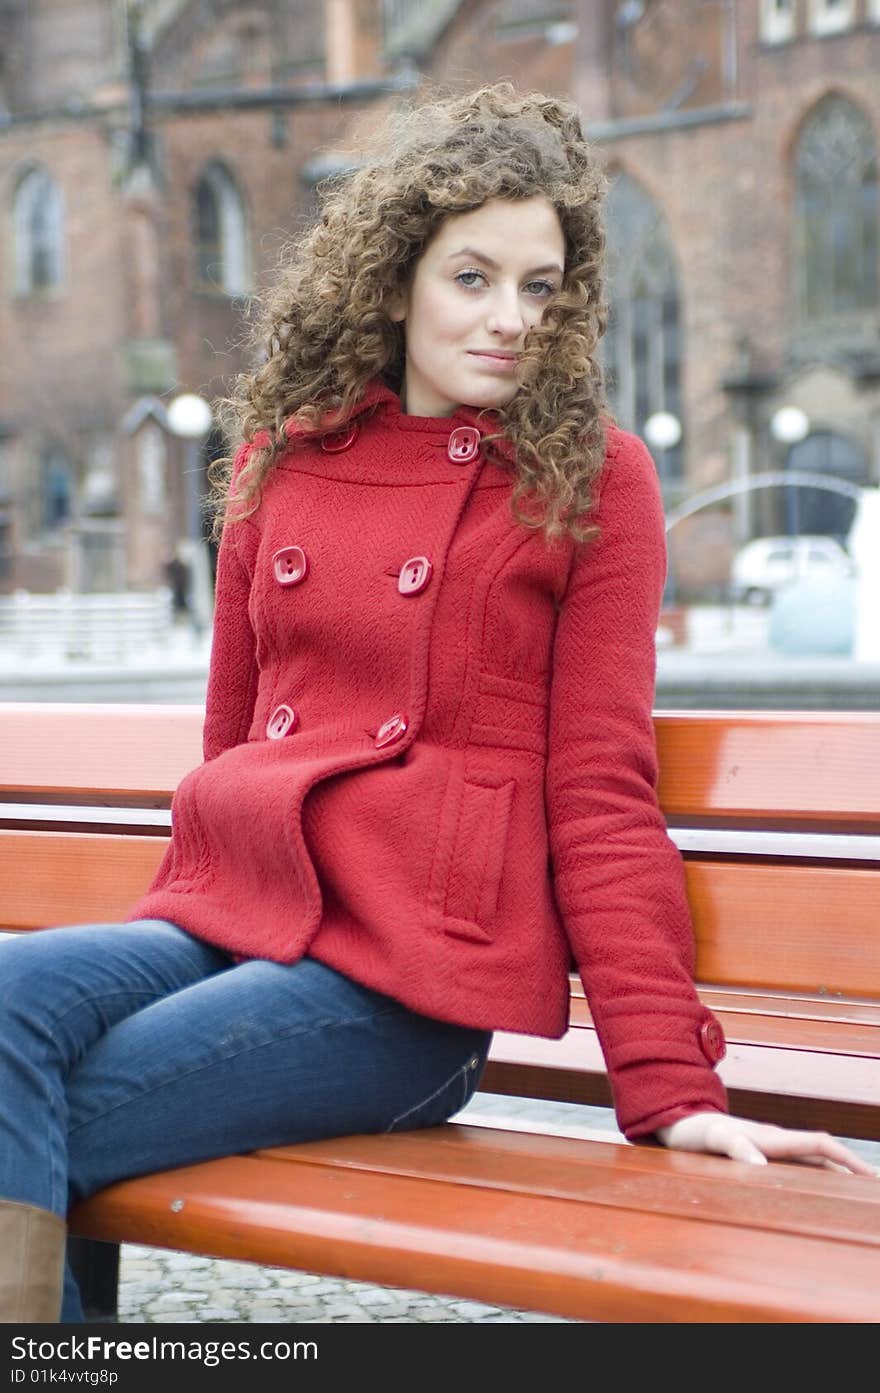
{"points": [[414, 575], [393, 730], [464, 444], [712, 1041], [291, 565], [281, 722], [339, 439]]}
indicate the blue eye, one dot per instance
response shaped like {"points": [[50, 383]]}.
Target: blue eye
{"points": [[544, 288]]}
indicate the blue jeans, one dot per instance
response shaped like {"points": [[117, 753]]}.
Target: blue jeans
{"points": [[129, 1048]]}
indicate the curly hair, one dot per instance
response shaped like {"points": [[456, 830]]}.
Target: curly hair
{"points": [[324, 330]]}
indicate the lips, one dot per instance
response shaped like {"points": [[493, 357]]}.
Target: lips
{"points": [[487, 353]]}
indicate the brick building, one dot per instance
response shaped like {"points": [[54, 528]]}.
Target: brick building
{"points": [[153, 156]]}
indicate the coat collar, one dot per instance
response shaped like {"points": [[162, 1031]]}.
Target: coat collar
{"points": [[382, 401]]}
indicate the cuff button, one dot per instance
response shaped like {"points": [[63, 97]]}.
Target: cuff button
{"points": [[712, 1041]]}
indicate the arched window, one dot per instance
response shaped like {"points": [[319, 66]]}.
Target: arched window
{"points": [[836, 243], [817, 511], [38, 233], [222, 258], [642, 348]]}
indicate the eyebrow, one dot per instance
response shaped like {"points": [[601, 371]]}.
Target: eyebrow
{"points": [[487, 261]]}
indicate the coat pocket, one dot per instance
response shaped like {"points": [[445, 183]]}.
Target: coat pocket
{"points": [[471, 852]]}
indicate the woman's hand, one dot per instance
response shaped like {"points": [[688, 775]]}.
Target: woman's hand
{"points": [[756, 1142]]}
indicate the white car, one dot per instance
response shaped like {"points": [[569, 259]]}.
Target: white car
{"points": [[761, 567]]}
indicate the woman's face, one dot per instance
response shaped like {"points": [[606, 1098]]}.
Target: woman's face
{"points": [[480, 284]]}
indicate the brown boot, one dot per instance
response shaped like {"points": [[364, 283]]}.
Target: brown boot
{"points": [[31, 1263]]}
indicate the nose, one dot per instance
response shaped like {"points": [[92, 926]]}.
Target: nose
{"points": [[506, 317]]}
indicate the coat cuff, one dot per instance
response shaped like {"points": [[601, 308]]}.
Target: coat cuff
{"points": [[689, 1090], [646, 1131]]}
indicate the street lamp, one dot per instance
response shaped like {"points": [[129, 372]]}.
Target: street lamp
{"points": [[789, 426], [663, 430], [190, 418]]}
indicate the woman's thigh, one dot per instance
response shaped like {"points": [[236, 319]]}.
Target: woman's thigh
{"points": [[261, 1054], [63, 988]]}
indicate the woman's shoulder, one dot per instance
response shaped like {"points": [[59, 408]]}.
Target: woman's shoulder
{"points": [[625, 445], [629, 471]]}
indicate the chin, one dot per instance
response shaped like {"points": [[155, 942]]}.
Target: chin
{"points": [[490, 397]]}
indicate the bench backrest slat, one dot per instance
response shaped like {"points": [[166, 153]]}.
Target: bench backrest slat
{"points": [[800, 770], [102, 751], [803, 770], [799, 928], [52, 878]]}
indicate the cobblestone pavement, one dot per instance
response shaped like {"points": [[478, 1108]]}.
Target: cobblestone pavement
{"points": [[159, 1286]]}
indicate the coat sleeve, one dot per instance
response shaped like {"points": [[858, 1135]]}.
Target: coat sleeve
{"points": [[233, 672], [619, 878]]}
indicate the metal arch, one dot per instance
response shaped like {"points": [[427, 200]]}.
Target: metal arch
{"points": [[798, 478]]}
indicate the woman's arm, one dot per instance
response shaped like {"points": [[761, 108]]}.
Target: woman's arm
{"points": [[619, 879]]}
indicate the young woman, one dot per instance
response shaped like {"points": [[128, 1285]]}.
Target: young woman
{"points": [[429, 775]]}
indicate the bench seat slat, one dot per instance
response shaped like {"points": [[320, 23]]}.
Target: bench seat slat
{"points": [[626, 1177], [597, 1259]]}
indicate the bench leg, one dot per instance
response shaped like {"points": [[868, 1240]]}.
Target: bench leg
{"points": [[96, 1268]]}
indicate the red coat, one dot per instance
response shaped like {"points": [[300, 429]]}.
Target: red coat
{"points": [[429, 751]]}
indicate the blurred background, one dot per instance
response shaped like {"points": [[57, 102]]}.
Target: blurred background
{"points": [[154, 154]]}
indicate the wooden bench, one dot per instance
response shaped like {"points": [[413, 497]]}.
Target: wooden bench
{"points": [[778, 817]]}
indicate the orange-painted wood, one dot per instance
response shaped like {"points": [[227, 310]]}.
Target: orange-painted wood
{"points": [[818, 769], [798, 1055], [569, 1227], [73, 877], [799, 928], [106, 749], [816, 1087], [815, 769], [533, 1163], [839, 1023], [787, 953]]}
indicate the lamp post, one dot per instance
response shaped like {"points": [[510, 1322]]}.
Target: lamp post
{"points": [[662, 431], [190, 418], [789, 426]]}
